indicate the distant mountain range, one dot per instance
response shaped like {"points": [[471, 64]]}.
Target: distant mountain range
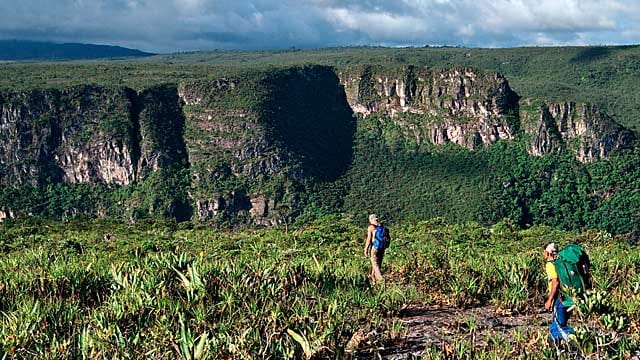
{"points": [[21, 50]]}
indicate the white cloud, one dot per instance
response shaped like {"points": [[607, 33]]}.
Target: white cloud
{"points": [[171, 25]]}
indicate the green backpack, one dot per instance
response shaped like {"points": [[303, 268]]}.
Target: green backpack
{"points": [[572, 266]]}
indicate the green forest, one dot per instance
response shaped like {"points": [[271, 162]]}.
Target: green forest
{"points": [[495, 183]]}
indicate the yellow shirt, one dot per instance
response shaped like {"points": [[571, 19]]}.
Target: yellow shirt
{"points": [[550, 269]]}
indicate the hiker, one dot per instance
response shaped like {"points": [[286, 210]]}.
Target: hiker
{"points": [[559, 330], [378, 239]]}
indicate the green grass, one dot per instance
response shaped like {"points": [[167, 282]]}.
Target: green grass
{"points": [[167, 290]]}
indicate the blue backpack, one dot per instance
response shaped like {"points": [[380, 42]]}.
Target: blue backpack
{"points": [[382, 238]]}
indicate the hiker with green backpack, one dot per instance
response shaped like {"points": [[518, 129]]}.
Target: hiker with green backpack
{"points": [[377, 242], [568, 275]]}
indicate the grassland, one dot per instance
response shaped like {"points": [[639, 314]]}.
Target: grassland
{"points": [[165, 290]]}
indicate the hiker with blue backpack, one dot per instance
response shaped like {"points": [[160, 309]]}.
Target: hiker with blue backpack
{"points": [[568, 277], [377, 242]]}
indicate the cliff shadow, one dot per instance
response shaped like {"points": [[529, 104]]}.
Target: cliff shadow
{"points": [[159, 122], [590, 53], [311, 120], [593, 53]]}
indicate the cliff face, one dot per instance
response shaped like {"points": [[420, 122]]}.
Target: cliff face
{"points": [[582, 128], [160, 122], [462, 106], [88, 135], [75, 135], [227, 147], [254, 142], [252, 146], [474, 109]]}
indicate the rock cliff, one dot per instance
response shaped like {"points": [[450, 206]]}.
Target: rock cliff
{"points": [[250, 146], [462, 106], [473, 109], [253, 142], [160, 122], [75, 135], [88, 134], [582, 128]]}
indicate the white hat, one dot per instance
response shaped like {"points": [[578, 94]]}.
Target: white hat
{"points": [[552, 248]]}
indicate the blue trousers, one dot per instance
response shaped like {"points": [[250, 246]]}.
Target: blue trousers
{"points": [[559, 318]]}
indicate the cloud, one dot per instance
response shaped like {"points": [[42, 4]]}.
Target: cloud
{"points": [[179, 25]]}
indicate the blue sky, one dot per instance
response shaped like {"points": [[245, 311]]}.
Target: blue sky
{"points": [[184, 25]]}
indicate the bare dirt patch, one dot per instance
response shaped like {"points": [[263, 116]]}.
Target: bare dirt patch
{"points": [[425, 326]]}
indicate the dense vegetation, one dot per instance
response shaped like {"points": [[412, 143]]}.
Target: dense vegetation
{"points": [[167, 290], [402, 179], [163, 194], [266, 134], [281, 123]]}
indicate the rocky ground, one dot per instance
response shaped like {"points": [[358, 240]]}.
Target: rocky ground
{"points": [[420, 330], [421, 327]]}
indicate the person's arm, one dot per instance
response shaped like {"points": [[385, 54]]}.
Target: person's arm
{"points": [[552, 294], [367, 244]]}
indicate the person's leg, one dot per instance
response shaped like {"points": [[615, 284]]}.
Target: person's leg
{"points": [[559, 329], [554, 330], [376, 261], [373, 264], [563, 317]]}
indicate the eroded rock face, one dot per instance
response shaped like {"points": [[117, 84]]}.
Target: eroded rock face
{"points": [[161, 122], [6, 214], [251, 146], [207, 209], [80, 134], [106, 162], [298, 127], [226, 145], [462, 106], [582, 128], [25, 140], [89, 134], [261, 206]]}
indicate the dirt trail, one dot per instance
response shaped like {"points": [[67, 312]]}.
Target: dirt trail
{"points": [[429, 325]]}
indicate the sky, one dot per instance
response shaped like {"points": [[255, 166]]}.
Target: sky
{"points": [[187, 25]]}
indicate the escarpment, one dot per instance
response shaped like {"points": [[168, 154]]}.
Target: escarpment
{"points": [[462, 106], [582, 128], [88, 134], [250, 146], [473, 109], [266, 135]]}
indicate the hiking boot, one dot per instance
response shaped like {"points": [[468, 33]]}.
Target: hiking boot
{"points": [[558, 346]]}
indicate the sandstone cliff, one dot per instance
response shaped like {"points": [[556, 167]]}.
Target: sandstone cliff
{"points": [[462, 106], [161, 126], [581, 128], [253, 142], [251, 146], [75, 135], [472, 109], [88, 134]]}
